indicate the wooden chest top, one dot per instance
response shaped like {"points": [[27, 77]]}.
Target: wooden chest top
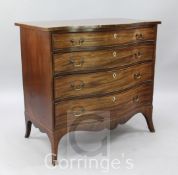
{"points": [[87, 24]]}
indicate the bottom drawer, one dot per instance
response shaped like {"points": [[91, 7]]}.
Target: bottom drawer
{"points": [[92, 110]]}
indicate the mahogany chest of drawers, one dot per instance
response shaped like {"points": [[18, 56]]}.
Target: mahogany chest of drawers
{"points": [[73, 68]]}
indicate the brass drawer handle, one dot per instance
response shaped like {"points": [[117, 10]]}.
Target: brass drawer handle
{"points": [[77, 43], [75, 63], [77, 111], [137, 54], [77, 85], [139, 36], [136, 99], [137, 76]]}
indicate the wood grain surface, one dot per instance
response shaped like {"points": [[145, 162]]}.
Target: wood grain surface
{"points": [[37, 76], [101, 82], [68, 111], [92, 39], [68, 63]]}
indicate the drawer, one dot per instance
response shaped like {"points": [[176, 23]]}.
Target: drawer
{"points": [[101, 59], [92, 109], [99, 83], [94, 39]]}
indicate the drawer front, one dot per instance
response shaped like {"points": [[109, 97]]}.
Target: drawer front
{"points": [[101, 82], [68, 112], [101, 59], [93, 39]]}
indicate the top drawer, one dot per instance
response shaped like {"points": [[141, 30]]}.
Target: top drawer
{"points": [[94, 39]]}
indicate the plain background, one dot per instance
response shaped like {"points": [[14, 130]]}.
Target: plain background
{"points": [[160, 155]]}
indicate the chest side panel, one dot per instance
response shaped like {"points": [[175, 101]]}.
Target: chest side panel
{"points": [[37, 76]]}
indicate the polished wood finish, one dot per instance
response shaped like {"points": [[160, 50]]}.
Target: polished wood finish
{"points": [[37, 76], [123, 102], [67, 63], [94, 39], [101, 83], [76, 72], [85, 24]]}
